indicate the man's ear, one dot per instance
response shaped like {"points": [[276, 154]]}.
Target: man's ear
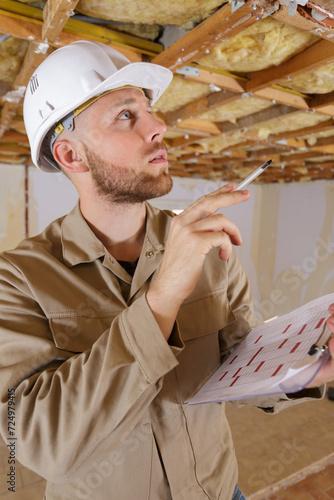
{"points": [[69, 159]]}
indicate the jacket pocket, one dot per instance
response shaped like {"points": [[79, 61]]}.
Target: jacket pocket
{"points": [[204, 314], [78, 333]]}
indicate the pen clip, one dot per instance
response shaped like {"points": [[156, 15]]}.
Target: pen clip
{"points": [[315, 349], [321, 347]]}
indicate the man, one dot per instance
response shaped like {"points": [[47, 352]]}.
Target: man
{"points": [[117, 313]]}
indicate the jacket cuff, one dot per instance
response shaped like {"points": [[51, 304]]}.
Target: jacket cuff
{"points": [[155, 355]]}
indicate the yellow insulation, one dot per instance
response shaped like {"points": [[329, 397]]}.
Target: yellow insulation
{"points": [[266, 43], [294, 121], [320, 81], [312, 139], [146, 31], [12, 52], [179, 93], [242, 107], [174, 12], [216, 144]]}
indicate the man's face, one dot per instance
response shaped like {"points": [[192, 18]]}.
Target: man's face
{"points": [[123, 147]]}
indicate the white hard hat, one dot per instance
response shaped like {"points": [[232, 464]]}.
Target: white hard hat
{"points": [[72, 75]]}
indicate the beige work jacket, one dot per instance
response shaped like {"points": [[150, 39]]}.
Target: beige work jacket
{"points": [[100, 396]]}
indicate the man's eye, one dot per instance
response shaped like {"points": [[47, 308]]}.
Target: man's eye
{"points": [[125, 115]]}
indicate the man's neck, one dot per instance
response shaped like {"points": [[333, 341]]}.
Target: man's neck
{"points": [[121, 228]]}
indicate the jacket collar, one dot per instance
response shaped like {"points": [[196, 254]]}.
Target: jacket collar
{"points": [[80, 244]]}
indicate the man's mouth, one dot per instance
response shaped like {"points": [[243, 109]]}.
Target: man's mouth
{"points": [[159, 157]]}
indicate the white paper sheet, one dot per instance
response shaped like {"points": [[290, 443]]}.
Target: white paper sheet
{"points": [[274, 357]]}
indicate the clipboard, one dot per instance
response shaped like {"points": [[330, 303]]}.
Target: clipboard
{"points": [[280, 356]]}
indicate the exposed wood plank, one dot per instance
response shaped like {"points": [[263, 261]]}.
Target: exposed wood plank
{"points": [[181, 142], [267, 153], [221, 26], [320, 127], [200, 106], [302, 23], [55, 15], [86, 30], [212, 78], [315, 56], [184, 130], [12, 148], [242, 123], [5, 87], [291, 142], [7, 113], [324, 141], [323, 103], [20, 28], [20, 159], [276, 111], [282, 97], [17, 124], [11, 136], [233, 84], [294, 157], [328, 149], [199, 125], [32, 59], [32, 30]]}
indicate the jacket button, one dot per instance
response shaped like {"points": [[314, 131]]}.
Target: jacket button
{"points": [[149, 254]]}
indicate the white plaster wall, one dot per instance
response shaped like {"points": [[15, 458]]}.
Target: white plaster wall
{"points": [[288, 240], [50, 196], [287, 229]]}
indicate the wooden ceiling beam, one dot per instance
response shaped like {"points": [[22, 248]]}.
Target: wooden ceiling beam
{"points": [[12, 136], [242, 123], [203, 127], [200, 106], [32, 59], [219, 27], [237, 85], [299, 21], [276, 111], [328, 149], [184, 130], [320, 127], [323, 103], [312, 58], [14, 148], [283, 97], [20, 159], [210, 77], [324, 141], [295, 157], [56, 14], [31, 29], [16, 27]]}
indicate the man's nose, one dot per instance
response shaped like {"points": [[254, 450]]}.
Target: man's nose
{"points": [[154, 129]]}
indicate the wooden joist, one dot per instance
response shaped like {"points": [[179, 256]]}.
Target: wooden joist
{"points": [[56, 14], [54, 27], [221, 26]]}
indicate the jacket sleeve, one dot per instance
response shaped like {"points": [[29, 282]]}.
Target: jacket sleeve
{"points": [[66, 403]]}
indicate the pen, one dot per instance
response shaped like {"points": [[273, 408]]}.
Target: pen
{"points": [[253, 176]]}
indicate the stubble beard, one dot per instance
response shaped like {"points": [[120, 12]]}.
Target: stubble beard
{"points": [[117, 185]]}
